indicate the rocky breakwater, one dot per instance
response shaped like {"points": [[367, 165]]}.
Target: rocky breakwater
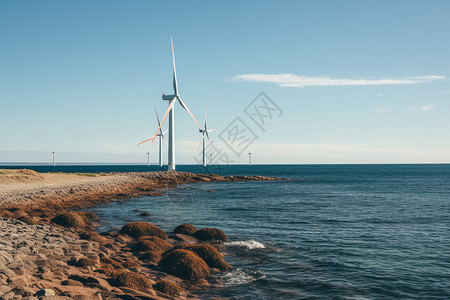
{"points": [[71, 261]]}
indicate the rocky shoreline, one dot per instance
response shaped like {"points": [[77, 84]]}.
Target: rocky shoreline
{"points": [[50, 250]]}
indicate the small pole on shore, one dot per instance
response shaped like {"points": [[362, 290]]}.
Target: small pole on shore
{"points": [[148, 159], [249, 158]]}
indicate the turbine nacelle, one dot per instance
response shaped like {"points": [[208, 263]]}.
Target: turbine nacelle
{"points": [[169, 97]]}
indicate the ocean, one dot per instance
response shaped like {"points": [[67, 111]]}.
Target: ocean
{"points": [[331, 232]]}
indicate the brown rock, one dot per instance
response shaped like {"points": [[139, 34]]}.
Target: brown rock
{"points": [[71, 282], [70, 219], [132, 265], [132, 280], [138, 229], [210, 234], [151, 256], [168, 287], [186, 229], [208, 253], [185, 264], [160, 243], [27, 219]]}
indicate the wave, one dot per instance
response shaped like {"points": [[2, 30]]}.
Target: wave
{"points": [[239, 277], [250, 244]]}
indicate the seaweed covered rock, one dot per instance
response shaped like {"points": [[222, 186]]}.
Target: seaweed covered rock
{"points": [[138, 229], [168, 287], [132, 280], [87, 216], [151, 256], [185, 264], [186, 229], [151, 245], [82, 262], [160, 243], [70, 219], [27, 220], [132, 265], [208, 253], [210, 235], [93, 236]]}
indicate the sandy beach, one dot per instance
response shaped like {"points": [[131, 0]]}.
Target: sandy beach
{"points": [[50, 250]]}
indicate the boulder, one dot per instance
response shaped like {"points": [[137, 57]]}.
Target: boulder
{"points": [[27, 220], [208, 253], [151, 256], [168, 287], [186, 229], [185, 264], [210, 235], [132, 280], [160, 243], [70, 219], [138, 229], [88, 217]]}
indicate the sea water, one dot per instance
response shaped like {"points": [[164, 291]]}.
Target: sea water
{"points": [[331, 232]]}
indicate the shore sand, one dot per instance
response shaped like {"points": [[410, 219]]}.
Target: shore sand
{"points": [[49, 248]]}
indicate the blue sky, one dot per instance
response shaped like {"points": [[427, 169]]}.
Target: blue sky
{"points": [[357, 81]]}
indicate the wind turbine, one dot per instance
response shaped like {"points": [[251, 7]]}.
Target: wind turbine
{"points": [[250, 159], [161, 136], [170, 111], [205, 133], [52, 158]]}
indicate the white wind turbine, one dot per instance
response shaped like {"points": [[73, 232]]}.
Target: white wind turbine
{"points": [[52, 158], [160, 134], [170, 111], [205, 133]]}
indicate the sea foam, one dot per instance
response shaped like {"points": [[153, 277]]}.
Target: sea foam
{"points": [[250, 244], [239, 277]]}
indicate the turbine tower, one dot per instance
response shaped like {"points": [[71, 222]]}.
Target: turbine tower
{"points": [[161, 136], [52, 158], [170, 111], [205, 133]]}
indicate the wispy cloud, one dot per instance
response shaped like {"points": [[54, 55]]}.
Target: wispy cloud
{"points": [[292, 80], [427, 107]]}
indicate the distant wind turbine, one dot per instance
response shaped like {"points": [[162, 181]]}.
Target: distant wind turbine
{"points": [[170, 111], [52, 158], [161, 136], [148, 159], [205, 132], [249, 158]]}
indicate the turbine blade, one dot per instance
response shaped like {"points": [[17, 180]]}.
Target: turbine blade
{"points": [[200, 143], [207, 135], [145, 141], [187, 109], [164, 139], [172, 102], [175, 85], [159, 123], [211, 130]]}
